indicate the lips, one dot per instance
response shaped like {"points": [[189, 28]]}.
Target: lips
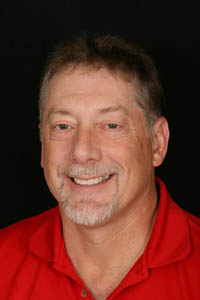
{"points": [[91, 181]]}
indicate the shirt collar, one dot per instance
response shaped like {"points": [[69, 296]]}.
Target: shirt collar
{"points": [[47, 243], [169, 242], [170, 238], [47, 239]]}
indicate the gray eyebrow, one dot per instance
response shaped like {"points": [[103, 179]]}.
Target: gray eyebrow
{"points": [[114, 109], [64, 112], [54, 111]]}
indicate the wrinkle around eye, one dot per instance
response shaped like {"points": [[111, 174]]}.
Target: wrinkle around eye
{"points": [[61, 131], [112, 126], [62, 127]]}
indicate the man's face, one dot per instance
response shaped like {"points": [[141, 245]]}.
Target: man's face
{"points": [[96, 148]]}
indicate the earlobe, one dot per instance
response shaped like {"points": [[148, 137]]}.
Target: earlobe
{"points": [[160, 139]]}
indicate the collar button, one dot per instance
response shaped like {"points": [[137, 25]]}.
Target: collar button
{"points": [[84, 293]]}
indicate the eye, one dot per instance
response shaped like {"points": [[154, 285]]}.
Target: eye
{"points": [[112, 126], [62, 127]]}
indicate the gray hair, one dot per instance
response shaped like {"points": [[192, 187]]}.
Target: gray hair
{"points": [[117, 55]]}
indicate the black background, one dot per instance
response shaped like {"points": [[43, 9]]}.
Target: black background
{"points": [[168, 30]]}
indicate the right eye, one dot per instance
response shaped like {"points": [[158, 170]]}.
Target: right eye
{"points": [[62, 127], [112, 126]]}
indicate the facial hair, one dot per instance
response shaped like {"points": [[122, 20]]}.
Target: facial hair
{"points": [[86, 211]]}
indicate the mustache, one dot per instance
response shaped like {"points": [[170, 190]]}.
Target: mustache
{"points": [[89, 170]]}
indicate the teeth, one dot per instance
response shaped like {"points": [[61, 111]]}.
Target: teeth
{"points": [[91, 181]]}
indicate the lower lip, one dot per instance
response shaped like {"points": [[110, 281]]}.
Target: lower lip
{"points": [[88, 187]]}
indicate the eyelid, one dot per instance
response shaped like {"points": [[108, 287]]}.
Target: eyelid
{"points": [[58, 122], [115, 125], [62, 124]]}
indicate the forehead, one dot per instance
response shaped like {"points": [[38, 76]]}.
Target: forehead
{"points": [[87, 83], [90, 92]]}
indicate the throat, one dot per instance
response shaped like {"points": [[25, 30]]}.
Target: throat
{"points": [[103, 284]]}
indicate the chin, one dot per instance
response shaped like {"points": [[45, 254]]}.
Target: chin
{"points": [[89, 213]]}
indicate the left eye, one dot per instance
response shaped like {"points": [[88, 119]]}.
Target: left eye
{"points": [[112, 126], [62, 127]]}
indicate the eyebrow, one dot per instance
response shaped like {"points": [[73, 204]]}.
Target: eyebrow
{"points": [[54, 111], [114, 109], [102, 111]]}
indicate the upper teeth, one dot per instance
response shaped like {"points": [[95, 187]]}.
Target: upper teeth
{"points": [[91, 181]]}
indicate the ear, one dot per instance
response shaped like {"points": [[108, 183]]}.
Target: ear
{"points": [[160, 139], [42, 148], [42, 156]]}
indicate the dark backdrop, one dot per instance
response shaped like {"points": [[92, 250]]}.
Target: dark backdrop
{"points": [[168, 30]]}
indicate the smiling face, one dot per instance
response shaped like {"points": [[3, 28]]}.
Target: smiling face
{"points": [[97, 153]]}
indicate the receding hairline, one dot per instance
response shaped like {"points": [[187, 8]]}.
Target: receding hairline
{"points": [[122, 58], [86, 68], [90, 68]]}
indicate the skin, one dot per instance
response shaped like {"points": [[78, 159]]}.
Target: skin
{"points": [[76, 130]]}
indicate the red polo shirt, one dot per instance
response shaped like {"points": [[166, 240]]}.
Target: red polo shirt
{"points": [[35, 266]]}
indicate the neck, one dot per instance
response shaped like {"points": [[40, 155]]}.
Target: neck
{"points": [[98, 246]]}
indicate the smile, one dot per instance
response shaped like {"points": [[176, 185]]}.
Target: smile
{"points": [[92, 181]]}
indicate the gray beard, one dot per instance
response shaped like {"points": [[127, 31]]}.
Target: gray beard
{"points": [[85, 211]]}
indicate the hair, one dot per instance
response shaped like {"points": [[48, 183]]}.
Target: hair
{"points": [[118, 56]]}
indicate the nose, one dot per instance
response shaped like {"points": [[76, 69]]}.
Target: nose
{"points": [[85, 146]]}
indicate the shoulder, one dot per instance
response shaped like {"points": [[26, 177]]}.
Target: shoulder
{"points": [[192, 222], [194, 228], [14, 247], [14, 238]]}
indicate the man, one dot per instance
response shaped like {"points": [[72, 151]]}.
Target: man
{"points": [[117, 234]]}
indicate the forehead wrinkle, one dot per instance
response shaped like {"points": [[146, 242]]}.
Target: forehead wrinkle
{"points": [[102, 111], [59, 111], [114, 109]]}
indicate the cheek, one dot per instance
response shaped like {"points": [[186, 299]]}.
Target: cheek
{"points": [[123, 154], [135, 155], [52, 157]]}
